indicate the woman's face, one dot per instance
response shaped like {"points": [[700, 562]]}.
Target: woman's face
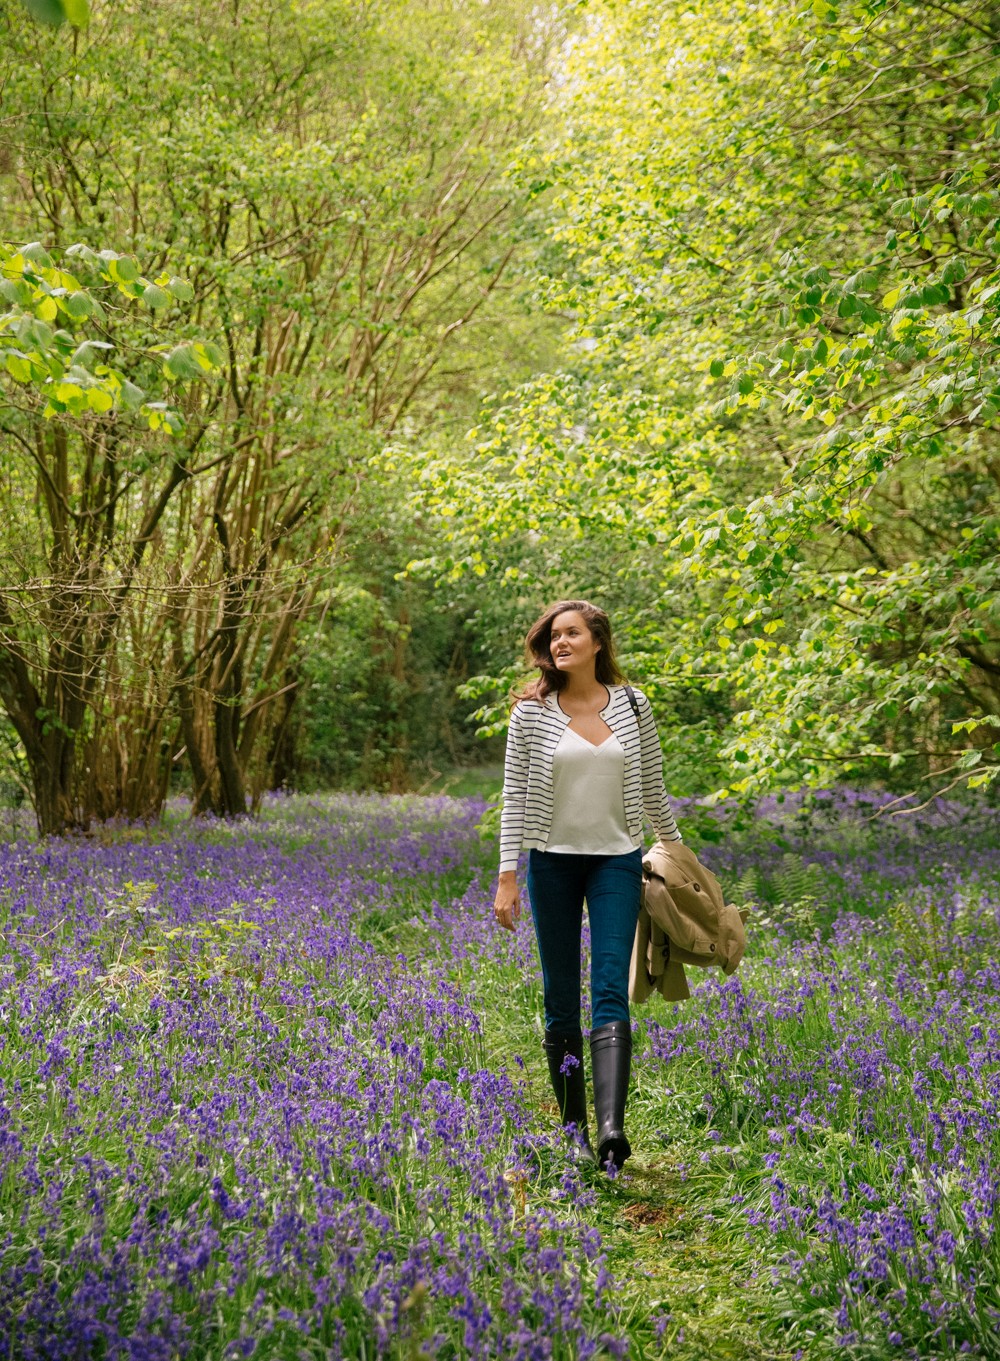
{"points": [[573, 646]]}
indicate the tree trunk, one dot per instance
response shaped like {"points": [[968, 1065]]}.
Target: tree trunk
{"points": [[282, 762], [53, 794], [50, 748]]}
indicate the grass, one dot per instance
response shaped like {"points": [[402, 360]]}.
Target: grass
{"points": [[467, 782], [816, 1140], [677, 1262], [278, 1089]]}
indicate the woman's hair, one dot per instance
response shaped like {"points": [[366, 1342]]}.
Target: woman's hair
{"points": [[538, 650]]}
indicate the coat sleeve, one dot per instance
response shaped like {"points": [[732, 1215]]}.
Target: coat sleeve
{"points": [[655, 802], [639, 983], [515, 789]]}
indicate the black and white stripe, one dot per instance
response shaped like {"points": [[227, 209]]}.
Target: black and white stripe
{"points": [[533, 735]]}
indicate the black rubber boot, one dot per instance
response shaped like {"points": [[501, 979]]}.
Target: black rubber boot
{"points": [[611, 1064], [569, 1083]]}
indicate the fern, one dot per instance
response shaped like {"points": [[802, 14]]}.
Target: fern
{"points": [[746, 892], [793, 895], [945, 933], [797, 879]]}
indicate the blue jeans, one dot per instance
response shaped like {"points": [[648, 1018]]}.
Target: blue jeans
{"points": [[557, 886]]}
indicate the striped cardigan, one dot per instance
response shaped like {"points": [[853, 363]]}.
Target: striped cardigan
{"points": [[533, 735]]}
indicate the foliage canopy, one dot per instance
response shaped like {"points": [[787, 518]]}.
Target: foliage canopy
{"points": [[774, 234], [327, 181]]}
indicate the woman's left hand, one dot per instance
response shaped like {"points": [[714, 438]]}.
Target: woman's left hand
{"points": [[507, 903]]}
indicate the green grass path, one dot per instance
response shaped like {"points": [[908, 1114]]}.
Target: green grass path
{"points": [[664, 1244]]}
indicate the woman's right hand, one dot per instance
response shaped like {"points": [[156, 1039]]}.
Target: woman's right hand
{"points": [[507, 903]]}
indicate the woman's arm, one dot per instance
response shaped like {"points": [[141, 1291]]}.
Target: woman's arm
{"points": [[515, 790], [655, 802], [507, 903]]}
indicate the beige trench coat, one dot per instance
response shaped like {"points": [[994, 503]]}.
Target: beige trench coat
{"points": [[683, 919]]}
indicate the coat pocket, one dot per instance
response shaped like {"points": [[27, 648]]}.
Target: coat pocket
{"points": [[687, 913]]}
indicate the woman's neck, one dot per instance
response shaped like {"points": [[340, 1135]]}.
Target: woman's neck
{"points": [[584, 689]]}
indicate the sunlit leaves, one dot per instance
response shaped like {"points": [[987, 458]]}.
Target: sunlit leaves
{"points": [[40, 346], [808, 298], [192, 361]]}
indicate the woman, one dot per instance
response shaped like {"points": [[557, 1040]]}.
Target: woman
{"points": [[582, 767]]}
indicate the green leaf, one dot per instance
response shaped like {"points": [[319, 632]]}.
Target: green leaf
{"points": [[934, 293], [77, 12], [37, 254], [717, 368], [209, 356], [16, 291], [69, 393], [181, 364], [213, 353], [18, 367], [130, 397], [155, 297], [126, 271], [87, 354], [181, 290], [37, 333], [46, 11], [78, 305]]}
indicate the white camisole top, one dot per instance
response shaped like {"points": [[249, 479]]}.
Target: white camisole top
{"points": [[588, 789]]}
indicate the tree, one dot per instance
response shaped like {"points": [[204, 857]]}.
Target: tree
{"points": [[92, 463], [330, 180], [776, 239]]}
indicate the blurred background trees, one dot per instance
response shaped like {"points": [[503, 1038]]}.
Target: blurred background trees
{"points": [[715, 293]]}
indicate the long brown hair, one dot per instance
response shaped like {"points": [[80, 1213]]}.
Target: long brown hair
{"points": [[538, 650]]}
